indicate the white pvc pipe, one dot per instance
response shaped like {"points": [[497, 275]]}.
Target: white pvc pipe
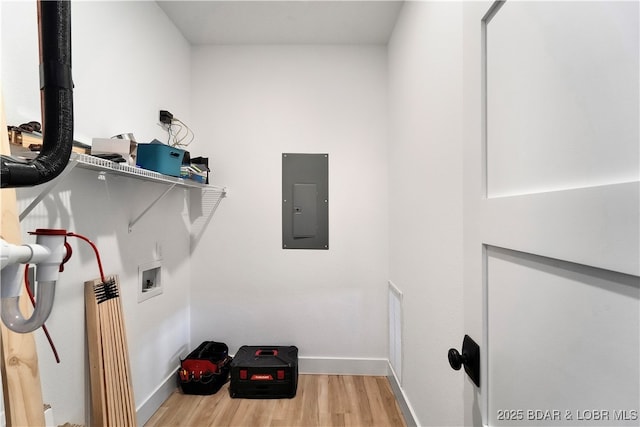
{"points": [[13, 318]]}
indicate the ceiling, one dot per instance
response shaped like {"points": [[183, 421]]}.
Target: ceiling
{"points": [[284, 22]]}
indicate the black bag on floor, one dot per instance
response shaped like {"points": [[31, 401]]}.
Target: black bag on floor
{"points": [[206, 369], [264, 372]]}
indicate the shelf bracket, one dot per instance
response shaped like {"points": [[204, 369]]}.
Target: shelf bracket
{"points": [[144, 212], [47, 190]]}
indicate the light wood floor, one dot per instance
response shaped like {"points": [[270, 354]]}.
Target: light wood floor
{"points": [[321, 400]]}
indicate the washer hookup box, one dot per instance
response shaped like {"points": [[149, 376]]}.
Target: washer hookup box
{"points": [[264, 372]]}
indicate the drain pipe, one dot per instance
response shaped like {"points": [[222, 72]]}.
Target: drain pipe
{"points": [[56, 93]]}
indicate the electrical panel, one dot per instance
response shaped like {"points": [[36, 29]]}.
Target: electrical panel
{"points": [[305, 201]]}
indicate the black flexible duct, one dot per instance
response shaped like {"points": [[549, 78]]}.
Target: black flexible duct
{"points": [[56, 91]]}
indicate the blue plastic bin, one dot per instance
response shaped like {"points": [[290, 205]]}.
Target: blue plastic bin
{"points": [[160, 157]]}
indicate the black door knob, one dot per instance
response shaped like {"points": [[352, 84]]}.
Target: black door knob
{"points": [[470, 359], [456, 360]]}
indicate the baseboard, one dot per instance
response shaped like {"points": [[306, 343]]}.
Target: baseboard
{"points": [[405, 407], [156, 399], [342, 366]]}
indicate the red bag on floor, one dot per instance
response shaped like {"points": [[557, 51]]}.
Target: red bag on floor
{"points": [[205, 369]]}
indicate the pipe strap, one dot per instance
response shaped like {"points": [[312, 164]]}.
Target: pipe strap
{"points": [[54, 74]]}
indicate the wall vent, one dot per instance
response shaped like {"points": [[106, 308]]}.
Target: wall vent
{"points": [[395, 330]]}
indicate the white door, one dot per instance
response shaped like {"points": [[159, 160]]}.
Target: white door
{"points": [[552, 196]]}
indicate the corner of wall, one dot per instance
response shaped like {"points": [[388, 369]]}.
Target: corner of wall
{"points": [[146, 409], [408, 413]]}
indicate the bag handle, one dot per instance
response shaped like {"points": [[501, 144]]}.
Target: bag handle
{"points": [[267, 352]]}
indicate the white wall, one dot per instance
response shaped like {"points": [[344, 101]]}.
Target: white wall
{"points": [[129, 61], [250, 104], [425, 203]]}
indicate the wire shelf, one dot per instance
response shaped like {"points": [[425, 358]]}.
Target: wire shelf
{"points": [[86, 161]]}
